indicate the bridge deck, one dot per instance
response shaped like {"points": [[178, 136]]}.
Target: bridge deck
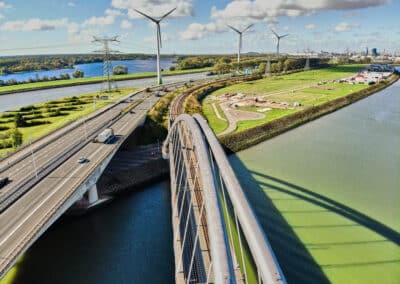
{"points": [[25, 220]]}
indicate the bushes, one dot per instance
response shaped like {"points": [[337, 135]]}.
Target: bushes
{"points": [[78, 74], [27, 108], [120, 70], [6, 143], [20, 120]]}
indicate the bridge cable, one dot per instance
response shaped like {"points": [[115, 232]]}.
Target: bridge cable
{"points": [[195, 242], [241, 248]]}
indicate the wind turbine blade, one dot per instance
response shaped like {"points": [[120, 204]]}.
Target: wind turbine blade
{"points": [[234, 29], [274, 33], [282, 36], [159, 35], [167, 14], [147, 16], [248, 27]]}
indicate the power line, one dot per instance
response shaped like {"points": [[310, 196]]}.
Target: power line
{"points": [[41, 47], [107, 67]]}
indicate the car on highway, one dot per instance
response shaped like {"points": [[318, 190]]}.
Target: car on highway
{"points": [[83, 160], [4, 181]]}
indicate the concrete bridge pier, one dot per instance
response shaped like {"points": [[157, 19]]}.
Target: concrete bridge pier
{"points": [[92, 194]]}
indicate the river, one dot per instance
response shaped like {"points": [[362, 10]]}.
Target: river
{"points": [[127, 241], [93, 69], [326, 193]]}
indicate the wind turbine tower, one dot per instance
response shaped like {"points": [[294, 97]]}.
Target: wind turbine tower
{"points": [[278, 37], [240, 33], [157, 21]]}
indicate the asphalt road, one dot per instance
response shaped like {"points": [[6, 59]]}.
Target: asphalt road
{"points": [[37, 157], [24, 219], [17, 100]]}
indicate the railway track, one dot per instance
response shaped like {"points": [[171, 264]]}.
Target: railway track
{"points": [[177, 104]]}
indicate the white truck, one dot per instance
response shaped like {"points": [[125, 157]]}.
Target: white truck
{"points": [[105, 136]]}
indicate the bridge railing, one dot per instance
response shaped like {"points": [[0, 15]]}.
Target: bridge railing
{"points": [[217, 238]]}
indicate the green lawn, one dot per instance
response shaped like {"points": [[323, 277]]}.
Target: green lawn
{"points": [[297, 87], [218, 124], [61, 83], [82, 110]]}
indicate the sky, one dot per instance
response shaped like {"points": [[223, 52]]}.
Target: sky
{"points": [[198, 26]]}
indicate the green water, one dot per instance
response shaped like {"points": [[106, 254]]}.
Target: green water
{"points": [[328, 194]]}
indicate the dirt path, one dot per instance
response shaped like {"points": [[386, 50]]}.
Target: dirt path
{"points": [[234, 116], [217, 112]]}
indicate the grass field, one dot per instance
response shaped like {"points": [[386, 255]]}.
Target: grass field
{"points": [[81, 81], [298, 87], [81, 106]]}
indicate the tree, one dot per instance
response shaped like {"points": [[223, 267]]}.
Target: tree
{"points": [[16, 137], [262, 68], [222, 68], [20, 120], [172, 68], [78, 74], [120, 70]]}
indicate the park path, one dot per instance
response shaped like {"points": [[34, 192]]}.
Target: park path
{"points": [[234, 116], [217, 112]]}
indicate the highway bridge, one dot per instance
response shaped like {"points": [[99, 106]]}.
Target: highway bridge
{"points": [[46, 178]]}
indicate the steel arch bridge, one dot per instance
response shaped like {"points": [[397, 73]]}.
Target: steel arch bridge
{"points": [[217, 238]]}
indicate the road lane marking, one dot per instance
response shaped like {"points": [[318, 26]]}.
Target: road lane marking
{"points": [[45, 200]]}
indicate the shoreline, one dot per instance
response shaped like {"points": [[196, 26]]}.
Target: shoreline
{"points": [[247, 138]]}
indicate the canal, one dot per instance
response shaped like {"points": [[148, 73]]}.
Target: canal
{"points": [[326, 193]]}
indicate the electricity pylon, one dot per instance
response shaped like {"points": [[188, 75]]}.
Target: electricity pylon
{"points": [[108, 82]]}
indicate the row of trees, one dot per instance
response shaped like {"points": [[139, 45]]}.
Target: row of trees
{"points": [[14, 64], [195, 62], [224, 65], [66, 76]]}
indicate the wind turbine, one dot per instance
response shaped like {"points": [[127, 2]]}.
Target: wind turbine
{"points": [[240, 37], [157, 21], [278, 37]]}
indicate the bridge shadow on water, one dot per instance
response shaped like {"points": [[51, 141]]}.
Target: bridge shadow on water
{"points": [[331, 205], [296, 262]]}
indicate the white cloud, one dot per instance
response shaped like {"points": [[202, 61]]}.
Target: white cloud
{"points": [[71, 4], [155, 8], [113, 12], [99, 21], [125, 24], [309, 27], [345, 27], [1, 16], [197, 31], [269, 10], [4, 5], [34, 25]]}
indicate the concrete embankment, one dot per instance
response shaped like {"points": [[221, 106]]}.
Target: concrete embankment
{"points": [[133, 169], [242, 140]]}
